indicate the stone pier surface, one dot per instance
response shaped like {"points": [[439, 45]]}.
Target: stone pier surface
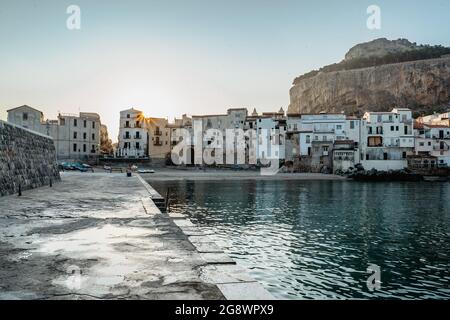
{"points": [[100, 236]]}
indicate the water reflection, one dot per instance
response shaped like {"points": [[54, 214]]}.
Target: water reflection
{"points": [[315, 240]]}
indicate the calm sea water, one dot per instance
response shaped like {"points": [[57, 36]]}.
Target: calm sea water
{"points": [[315, 239]]}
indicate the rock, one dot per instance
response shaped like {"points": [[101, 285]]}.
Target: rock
{"points": [[422, 85]]}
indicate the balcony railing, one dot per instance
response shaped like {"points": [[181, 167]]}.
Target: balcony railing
{"points": [[137, 137], [126, 137], [157, 143]]}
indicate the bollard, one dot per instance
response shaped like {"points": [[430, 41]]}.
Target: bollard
{"points": [[20, 190], [51, 184]]}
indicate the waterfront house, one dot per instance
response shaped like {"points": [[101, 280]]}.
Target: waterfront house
{"points": [[433, 140], [345, 155], [387, 139], [271, 136], [214, 126]]}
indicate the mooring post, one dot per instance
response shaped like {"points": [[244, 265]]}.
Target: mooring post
{"points": [[51, 183], [20, 190], [167, 199]]}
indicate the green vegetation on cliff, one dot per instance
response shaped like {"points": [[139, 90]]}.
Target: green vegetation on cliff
{"points": [[422, 53]]}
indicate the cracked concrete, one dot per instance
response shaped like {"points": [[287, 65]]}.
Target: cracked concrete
{"points": [[97, 236]]}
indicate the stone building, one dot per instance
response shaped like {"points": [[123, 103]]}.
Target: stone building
{"points": [[159, 137], [76, 137], [211, 143]]}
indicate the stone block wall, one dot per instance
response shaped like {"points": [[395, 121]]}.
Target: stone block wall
{"points": [[27, 159]]}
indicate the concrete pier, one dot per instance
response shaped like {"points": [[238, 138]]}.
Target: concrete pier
{"points": [[100, 236]]}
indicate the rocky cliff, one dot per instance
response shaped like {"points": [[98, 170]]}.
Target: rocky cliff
{"points": [[422, 85]]}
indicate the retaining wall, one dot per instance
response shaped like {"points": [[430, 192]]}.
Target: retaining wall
{"points": [[27, 159]]}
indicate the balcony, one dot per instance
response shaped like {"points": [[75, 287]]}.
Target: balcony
{"points": [[126, 137], [157, 132], [157, 143], [137, 136]]}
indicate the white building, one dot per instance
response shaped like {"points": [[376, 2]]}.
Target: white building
{"points": [[133, 140], [387, 139], [271, 134], [433, 140], [75, 136]]}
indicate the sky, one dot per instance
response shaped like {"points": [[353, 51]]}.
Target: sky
{"points": [[172, 57]]}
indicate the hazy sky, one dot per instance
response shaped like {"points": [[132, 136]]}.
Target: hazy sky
{"points": [[196, 57]]}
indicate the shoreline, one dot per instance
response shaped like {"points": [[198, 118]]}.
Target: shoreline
{"points": [[223, 175]]}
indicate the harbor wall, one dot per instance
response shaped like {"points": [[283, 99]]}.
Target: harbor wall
{"points": [[27, 159]]}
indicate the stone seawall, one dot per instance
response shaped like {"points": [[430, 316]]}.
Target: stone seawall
{"points": [[27, 159]]}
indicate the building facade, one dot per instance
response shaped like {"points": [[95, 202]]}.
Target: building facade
{"points": [[387, 139], [76, 137], [133, 140]]}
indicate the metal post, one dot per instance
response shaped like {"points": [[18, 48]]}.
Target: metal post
{"points": [[20, 190]]}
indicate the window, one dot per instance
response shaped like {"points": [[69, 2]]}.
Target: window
{"points": [[385, 156], [429, 143], [93, 148], [75, 122], [404, 155], [75, 134], [93, 136], [352, 124], [62, 121], [396, 128], [128, 116], [137, 145], [392, 128], [74, 147], [25, 116], [127, 124], [84, 135], [421, 144], [84, 148], [380, 119], [308, 139], [370, 130], [390, 118], [338, 127], [84, 123], [93, 124]]}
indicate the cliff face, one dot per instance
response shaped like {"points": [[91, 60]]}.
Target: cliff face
{"points": [[420, 85]]}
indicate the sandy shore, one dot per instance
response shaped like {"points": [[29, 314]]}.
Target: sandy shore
{"points": [[165, 174]]}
